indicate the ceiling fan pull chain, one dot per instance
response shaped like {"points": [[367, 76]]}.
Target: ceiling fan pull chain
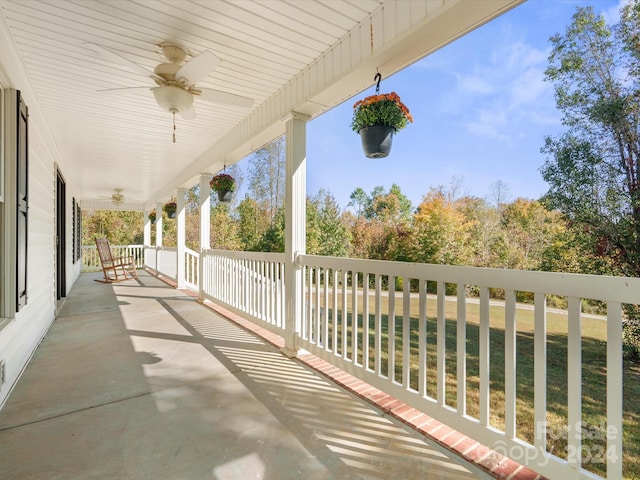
{"points": [[174, 127]]}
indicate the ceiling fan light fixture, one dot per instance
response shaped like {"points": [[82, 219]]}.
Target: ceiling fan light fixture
{"points": [[173, 99]]}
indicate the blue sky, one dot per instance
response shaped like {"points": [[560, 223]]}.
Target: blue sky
{"points": [[481, 111]]}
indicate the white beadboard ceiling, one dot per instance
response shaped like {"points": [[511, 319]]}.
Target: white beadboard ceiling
{"points": [[301, 55]]}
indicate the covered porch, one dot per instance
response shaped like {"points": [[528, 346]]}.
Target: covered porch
{"points": [[138, 380], [142, 376]]}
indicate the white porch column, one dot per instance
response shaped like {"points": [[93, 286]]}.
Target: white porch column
{"points": [[295, 226], [204, 199], [180, 240], [158, 224], [147, 228]]}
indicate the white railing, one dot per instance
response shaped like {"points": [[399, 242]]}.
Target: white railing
{"points": [[250, 283], [91, 260], [191, 259], [402, 342]]}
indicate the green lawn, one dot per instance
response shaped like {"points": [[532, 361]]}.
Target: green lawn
{"points": [[593, 374]]}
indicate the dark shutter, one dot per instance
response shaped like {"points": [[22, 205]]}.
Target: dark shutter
{"points": [[73, 234], [78, 232], [22, 203]]}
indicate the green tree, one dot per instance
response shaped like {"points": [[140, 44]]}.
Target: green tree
{"points": [[327, 233], [117, 226], [528, 232], [442, 231], [253, 223], [273, 239], [594, 168], [224, 230]]}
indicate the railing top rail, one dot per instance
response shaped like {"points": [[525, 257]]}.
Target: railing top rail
{"points": [[596, 287], [164, 249], [191, 252], [263, 256], [93, 247]]}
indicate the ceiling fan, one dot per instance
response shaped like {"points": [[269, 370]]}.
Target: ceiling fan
{"points": [[117, 198], [175, 80]]}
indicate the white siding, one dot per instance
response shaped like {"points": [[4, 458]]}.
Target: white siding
{"points": [[20, 336]]}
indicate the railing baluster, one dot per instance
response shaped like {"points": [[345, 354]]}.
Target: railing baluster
{"points": [[510, 364], [574, 381], [540, 371], [422, 337], [614, 390], [406, 333], [365, 320], [354, 317], [441, 344], [306, 333], [391, 291], [485, 381], [325, 332], [461, 343], [344, 314], [378, 326], [335, 327], [317, 328]]}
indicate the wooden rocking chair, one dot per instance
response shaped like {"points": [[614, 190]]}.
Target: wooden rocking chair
{"points": [[115, 269]]}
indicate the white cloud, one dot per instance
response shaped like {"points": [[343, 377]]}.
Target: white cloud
{"points": [[612, 14]]}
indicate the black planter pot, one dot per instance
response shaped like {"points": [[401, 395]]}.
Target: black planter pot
{"points": [[376, 140], [224, 195]]}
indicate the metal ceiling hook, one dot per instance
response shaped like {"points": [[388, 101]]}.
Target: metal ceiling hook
{"points": [[377, 79]]}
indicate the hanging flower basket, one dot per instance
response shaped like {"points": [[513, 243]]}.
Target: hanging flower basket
{"points": [[152, 217], [376, 118], [224, 185], [170, 209]]}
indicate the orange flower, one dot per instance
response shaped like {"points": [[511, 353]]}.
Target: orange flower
{"points": [[381, 109]]}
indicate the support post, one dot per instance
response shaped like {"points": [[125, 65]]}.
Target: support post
{"points": [[158, 224], [147, 228], [204, 200], [158, 233], [180, 234], [295, 226]]}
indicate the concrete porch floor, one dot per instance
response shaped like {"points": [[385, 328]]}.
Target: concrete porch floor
{"points": [[139, 381]]}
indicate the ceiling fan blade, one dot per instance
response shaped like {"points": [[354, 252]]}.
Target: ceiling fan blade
{"points": [[198, 67], [217, 96], [114, 57], [189, 114], [119, 89]]}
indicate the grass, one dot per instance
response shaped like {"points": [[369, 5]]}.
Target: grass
{"points": [[593, 374]]}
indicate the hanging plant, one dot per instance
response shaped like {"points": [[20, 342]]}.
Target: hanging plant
{"points": [[170, 209], [376, 118], [381, 109], [152, 217], [224, 184]]}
